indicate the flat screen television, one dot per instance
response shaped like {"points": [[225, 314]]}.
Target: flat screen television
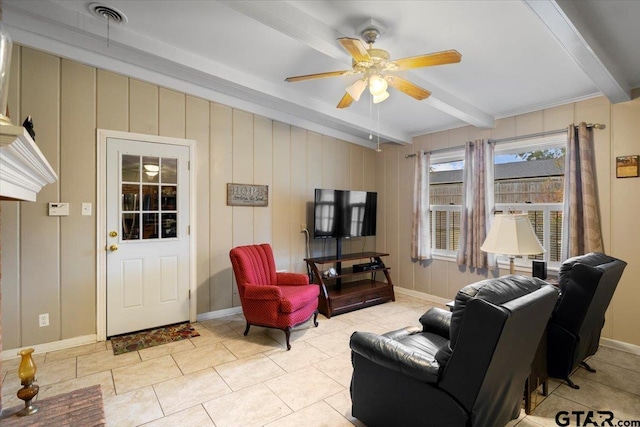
{"points": [[344, 213]]}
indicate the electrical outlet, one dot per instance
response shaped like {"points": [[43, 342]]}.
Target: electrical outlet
{"points": [[303, 227], [43, 319]]}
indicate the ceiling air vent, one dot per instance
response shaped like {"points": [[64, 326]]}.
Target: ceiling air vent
{"points": [[107, 13]]}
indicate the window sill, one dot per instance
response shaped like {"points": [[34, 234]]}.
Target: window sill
{"points": [[520, 268]]}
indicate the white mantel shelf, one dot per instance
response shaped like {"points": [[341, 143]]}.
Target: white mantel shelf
{"points": [[23, 168]]}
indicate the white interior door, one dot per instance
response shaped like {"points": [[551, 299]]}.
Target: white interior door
{"points": [[147, 241]]}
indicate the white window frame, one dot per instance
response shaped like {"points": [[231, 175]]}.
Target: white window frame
{"points": [[435, 158]]}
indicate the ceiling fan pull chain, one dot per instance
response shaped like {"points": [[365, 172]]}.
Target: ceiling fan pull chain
{"points": [[378, 109], [370, 117]]}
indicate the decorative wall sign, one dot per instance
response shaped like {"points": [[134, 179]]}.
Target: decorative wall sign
{"points": [[247, 195], [627, 166]]}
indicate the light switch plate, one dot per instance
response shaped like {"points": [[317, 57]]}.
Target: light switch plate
{"points": [[86, 209]]}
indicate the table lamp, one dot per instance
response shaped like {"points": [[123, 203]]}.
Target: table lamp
{"points": [[512, 235]]}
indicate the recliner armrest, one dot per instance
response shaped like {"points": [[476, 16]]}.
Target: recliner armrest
{"points": [[393, 355], [401, 333], [262, 292], [292, 279], [437, 321]]}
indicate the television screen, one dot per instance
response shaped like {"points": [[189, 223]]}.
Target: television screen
{"points": [[343, 213]]}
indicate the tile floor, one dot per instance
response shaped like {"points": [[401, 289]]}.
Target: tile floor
{"points": [[222, 378]]}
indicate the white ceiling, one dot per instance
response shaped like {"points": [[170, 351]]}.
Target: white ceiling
{"points": [[517, 56]]}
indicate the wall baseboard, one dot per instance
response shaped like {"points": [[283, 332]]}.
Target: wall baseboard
{"points": [[52, 346], [93, 338], [219, 313], [420, 295], [619, 345]]}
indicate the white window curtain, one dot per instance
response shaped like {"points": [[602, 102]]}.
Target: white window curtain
{"points": [[421, 235], [477, 204], [581, 229]]}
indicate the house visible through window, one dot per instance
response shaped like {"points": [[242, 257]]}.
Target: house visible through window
{"points": [[529, 178]]}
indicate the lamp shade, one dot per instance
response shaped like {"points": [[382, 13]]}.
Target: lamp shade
{"points": [[379, 98], [512, 235], [356, 89], [377, 85]]}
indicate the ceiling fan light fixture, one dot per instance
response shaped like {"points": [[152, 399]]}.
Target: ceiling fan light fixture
{"points": [[377, 85], [356, 89], [381, 97], [377, 70]]}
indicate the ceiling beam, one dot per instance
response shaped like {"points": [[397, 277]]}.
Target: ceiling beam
{"points": [[78, 37], [564, 20], [289, 20], [455, 107], [286, 18]]}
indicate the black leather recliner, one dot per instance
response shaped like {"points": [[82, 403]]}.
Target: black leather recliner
{"points": [[587, 284], [462, 368]]}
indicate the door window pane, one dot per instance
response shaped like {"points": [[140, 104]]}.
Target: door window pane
{"points": [[151, 166], [130, 168], [150, 226], [149, 197], [130, 197], [169, 171], [130, 226], [169, 198], [169, 225]]}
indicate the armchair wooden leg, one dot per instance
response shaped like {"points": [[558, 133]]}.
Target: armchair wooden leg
{"points": [[287, 333], [246, 331], [315, 318], [587, 367]]}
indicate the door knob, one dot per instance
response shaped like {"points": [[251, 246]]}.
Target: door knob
{"points": [[113, 234], [113, 248]]}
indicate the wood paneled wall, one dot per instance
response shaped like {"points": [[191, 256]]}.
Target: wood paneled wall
{"points": [[618, 209], [49, 262]]}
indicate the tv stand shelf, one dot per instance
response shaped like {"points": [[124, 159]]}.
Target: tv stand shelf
{"points": [[338, 296]]}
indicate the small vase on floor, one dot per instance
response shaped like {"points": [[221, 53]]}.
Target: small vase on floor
{"points": [[27, 374]]}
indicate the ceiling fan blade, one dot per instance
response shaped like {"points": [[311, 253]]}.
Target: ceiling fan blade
{"points": [[345, 101], [355, 49], [437, 58], [318, 75], [407, 87]]}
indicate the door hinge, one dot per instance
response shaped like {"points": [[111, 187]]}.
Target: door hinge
{"points": [[188, 165], [188, 230], [189, 293]]}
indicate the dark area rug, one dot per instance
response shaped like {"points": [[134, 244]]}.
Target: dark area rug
{"points": [[152, 337], [77, 408]]}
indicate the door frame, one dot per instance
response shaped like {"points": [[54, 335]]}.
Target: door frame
{"points": [[101, 226]]}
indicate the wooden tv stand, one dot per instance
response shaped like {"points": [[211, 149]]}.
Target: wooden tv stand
{"points": [[338, 296]]}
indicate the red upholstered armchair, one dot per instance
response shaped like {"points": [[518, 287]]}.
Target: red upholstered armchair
{"points": [[270, 299]]}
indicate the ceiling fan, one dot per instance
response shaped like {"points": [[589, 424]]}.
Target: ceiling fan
{"points": [[377, 69]]}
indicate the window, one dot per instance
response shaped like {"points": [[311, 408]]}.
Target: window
{"points": [[529, 178], [149, 196], [445, 176]]}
